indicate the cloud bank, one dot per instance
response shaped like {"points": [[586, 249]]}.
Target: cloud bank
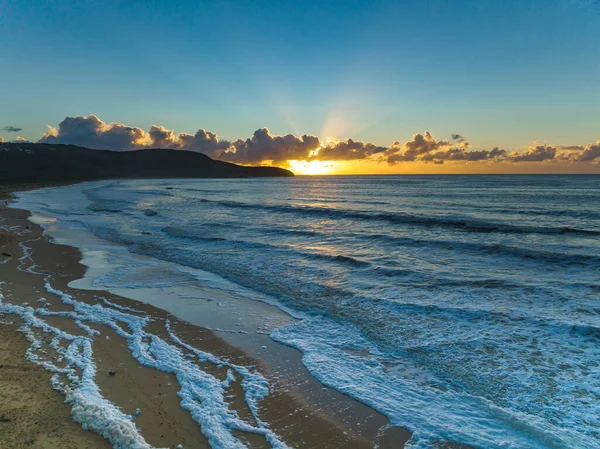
{"points": [[348, 150], [91, 132], [266, 147]]}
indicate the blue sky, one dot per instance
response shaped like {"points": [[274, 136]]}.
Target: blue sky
{"points": [[499, 72]]}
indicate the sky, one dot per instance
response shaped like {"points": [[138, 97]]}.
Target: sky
{"points": [[513, 75]]}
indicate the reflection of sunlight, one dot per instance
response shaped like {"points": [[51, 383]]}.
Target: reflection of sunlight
{"points": [[312, 167]]}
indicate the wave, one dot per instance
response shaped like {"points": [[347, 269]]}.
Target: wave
{"points": [[464, 224], [493, 249], [176, 232], [413, 278], [100, 207], [337, 200], [190, 189], [339, 258], [521, 253]]}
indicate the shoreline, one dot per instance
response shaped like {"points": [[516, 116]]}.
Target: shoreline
{"points": [[290, 416]]}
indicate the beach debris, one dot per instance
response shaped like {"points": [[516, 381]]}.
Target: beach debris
{"points": [[112, 373], [146, 232], [7, 254], [150, 212]]}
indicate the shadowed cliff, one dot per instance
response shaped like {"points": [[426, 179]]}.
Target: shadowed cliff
{"points": [[37, 162]]}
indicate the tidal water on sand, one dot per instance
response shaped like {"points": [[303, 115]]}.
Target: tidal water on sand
{"points": [[464, 308]]}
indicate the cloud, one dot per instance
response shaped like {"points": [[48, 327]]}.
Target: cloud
{"points": [[538, 153], [424, 143], [204, 142], [1, 139], [591, 153], [161, 137], [263, 146], [461, 154], [12, 129], [20, 139], [91, 132], [419, 145], [347, 150]]}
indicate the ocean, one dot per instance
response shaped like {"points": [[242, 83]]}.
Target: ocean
{"points": [[464, 308]]}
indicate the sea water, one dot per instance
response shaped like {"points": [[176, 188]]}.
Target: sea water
{"points": [[464, 308]]}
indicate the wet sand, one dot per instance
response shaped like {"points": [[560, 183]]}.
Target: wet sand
{"points": [[292, 411]]}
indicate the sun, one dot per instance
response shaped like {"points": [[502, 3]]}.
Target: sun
{"points": [[312, 167]]}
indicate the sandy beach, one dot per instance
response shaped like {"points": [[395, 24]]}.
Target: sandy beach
{"points": [[33, 414]]}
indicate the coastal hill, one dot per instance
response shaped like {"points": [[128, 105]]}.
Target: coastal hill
{"points": [[54, 163]]}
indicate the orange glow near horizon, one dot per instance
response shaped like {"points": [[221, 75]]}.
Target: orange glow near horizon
{"points": [[371, 167], [313, 167]]}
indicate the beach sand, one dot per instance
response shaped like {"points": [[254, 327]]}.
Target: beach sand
{"points": [[32, 414]]}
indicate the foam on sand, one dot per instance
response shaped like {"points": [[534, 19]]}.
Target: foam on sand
{"points": [[88, 407], [202, 394]]}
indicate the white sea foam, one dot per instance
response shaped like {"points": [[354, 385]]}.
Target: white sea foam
{"points": [[202, 394], [414, 402], [88, 407]]}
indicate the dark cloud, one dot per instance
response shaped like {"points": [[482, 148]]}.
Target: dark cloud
{"points": [[461, 154], [573, 148], [591, 153], [264, 146], [12, 129], [347, 150], [539, 153], [424, 143], [459, 138], [91, 132], [419, 145], [204, 142]]}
